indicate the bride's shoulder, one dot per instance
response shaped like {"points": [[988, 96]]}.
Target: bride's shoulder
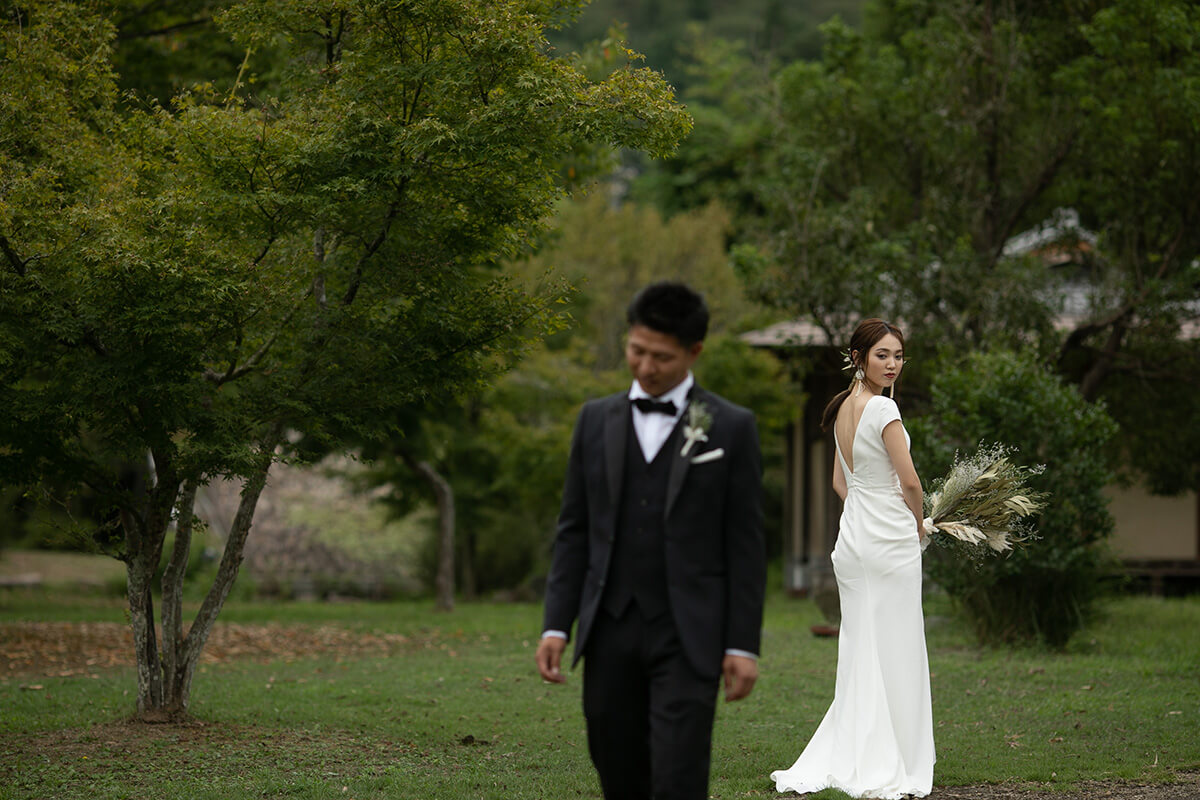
{"points": [[886, 407]]}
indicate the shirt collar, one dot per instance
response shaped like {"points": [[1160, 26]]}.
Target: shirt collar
{"points": [[678, 395]]}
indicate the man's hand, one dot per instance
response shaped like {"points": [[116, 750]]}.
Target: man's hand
{"points": [[549, 659], [740, 675]]}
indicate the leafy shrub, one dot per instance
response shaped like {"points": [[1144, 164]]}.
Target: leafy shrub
{"points": [[1047, 589]]}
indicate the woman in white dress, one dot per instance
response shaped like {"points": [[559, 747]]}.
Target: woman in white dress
{"points": [[876, 740]]}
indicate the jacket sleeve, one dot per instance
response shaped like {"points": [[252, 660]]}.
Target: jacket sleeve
{"points": [[745, 545], [568, 565]]}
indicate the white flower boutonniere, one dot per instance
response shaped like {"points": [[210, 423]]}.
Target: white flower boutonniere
{"points": [[695, 429]]}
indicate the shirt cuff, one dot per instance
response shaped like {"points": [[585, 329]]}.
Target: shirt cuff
{"points": [[743, 653], [554, 634]]}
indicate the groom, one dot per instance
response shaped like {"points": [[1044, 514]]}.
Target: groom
{"points": [[660, 557]]}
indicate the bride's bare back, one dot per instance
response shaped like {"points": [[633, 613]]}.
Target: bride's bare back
{"points": [[845, 427]]}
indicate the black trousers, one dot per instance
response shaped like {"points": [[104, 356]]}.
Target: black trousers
{"points": [[649, 714]]}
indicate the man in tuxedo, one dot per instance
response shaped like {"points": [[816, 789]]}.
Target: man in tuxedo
{"points": [[659, 556]]}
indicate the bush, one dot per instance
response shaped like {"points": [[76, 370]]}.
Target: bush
{"points": [[1047, 589]]}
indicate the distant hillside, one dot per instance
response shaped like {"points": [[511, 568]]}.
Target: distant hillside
{"points": [[786, 29]]}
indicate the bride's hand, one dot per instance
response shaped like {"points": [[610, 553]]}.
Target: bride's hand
{"points": [[924, 529]]}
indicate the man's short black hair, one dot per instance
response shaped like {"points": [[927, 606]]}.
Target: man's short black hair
{"points": [[672, 308]]}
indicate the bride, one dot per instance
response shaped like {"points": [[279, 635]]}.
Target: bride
{"points": [[876, 740]]}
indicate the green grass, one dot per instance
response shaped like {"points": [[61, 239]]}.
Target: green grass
{"points": [[459, 712]]}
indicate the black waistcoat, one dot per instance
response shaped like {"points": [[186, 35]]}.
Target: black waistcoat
{"points": [[638, 568]]}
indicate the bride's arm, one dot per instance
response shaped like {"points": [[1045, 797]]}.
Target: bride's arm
{"points": [[839, 480], [910, 484]]}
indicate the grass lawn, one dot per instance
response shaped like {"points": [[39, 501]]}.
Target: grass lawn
{"points": [[456, 710]]}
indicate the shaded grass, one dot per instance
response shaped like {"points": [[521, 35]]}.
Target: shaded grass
{"points": [[461, 713]]}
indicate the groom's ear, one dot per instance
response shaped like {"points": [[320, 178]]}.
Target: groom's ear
{"points": [[695, 349]]}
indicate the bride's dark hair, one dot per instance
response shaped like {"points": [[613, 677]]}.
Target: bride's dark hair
{"points": [[868, 332]]}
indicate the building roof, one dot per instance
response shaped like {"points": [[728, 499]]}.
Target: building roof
{"points": [[790, 333], [1058, 240]]}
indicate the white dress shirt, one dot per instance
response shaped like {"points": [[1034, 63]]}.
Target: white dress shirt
{"points": [[653, 429]]}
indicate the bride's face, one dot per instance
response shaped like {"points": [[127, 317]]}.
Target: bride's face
{"points": [[884, 361]]}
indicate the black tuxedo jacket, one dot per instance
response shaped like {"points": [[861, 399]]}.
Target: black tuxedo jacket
{"points": [[715, 552]]}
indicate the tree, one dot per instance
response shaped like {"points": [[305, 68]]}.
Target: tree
{"points": [[193, 288], [1045, 590], [901, 166], [899, 169], [503, 450], [769, 28], [162, 49], [1139, 153], [608, 249]]}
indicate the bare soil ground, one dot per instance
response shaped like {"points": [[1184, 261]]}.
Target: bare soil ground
{"points": [[63, 649], [1187, 789]]}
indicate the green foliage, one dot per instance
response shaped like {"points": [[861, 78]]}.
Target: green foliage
{"points": [[891, 177], [504, 453], [609, 250], [1046, 589], [771, 29], [729, 93], [504, 449], [895, 170], [187, 289], [1148, 400], [163, 49], [191, 280], [1139, 88], [514, 465], [757, 380]]}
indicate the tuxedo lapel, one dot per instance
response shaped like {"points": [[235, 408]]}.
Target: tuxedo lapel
{"points": [[680, 462], [616, 431]]}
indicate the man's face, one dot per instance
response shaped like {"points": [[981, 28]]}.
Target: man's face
{"points": [[657, 360]]}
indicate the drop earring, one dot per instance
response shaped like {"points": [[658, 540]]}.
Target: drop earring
{"points": [[858, 378]]}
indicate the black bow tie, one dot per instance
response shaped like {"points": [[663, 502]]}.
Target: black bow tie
{"points": [[648, 406]]}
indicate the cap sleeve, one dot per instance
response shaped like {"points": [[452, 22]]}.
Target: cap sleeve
{"points": [[887, 413]]}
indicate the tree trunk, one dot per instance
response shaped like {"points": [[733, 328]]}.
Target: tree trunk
{"points": [[145, 644], [175, 674], [179, 683], [144, 535], [1090, 385], [165, 681], [444, 581]]}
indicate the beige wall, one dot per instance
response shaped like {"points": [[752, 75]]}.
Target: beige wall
{"points": [[1150, 527]]}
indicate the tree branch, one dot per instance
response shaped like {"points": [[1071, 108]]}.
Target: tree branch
{"points": [[124, 36], [235, 546], [376, 243], [174, 652], [1032, 193], [444, 494], [251, 363], [14, 260]]}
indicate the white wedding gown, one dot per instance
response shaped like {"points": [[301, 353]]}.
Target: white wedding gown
{"points": [[876, 740]]}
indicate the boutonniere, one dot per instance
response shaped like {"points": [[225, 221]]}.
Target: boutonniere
{"points": [[695, 429]]}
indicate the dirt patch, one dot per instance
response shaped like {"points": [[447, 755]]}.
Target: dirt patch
{"points": [[65, 649], [1188, 788]]}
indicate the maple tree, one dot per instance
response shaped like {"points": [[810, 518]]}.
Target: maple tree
{"points": [[188, 290]]}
